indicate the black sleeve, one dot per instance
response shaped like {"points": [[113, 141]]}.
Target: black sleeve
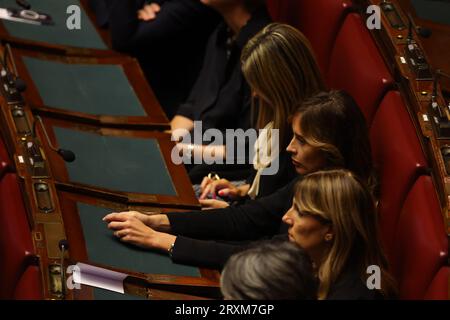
{"points": [[202, 253], [250, 221], [129, 34], [209, 254]]}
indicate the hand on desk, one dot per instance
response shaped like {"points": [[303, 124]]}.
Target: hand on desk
{"points": [[222, 187], [136, 228], [149, 12]]}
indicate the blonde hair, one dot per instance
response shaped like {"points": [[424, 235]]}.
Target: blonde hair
{"points": [[279, 64], [341, 199]]}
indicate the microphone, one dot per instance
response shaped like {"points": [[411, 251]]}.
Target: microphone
{"points": [[67, 155], [439, 73], [15, 83], [63, 246], [421, 31], [24, 4]]}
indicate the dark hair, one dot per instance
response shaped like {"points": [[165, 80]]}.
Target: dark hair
{"points": [[333, 122], [273, 270]]}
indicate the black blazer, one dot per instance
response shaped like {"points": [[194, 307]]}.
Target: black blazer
{"points": [[270, 184], [230, 229], [350, 286], [221, 96]]}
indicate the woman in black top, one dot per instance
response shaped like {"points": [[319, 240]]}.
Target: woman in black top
{"points": [[329, 132], [221, 97], [170, 46], [333, 218]]}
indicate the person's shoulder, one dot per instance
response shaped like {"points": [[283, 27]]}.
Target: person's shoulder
{"points": [[350, 286]]}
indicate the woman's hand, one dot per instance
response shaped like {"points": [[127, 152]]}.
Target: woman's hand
{"points": [[130, 229], [149, 12], [155, 221], [222, 187], [209, 204]]}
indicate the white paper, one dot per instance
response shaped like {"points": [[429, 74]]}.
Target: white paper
{"points": [[4, 14], [99, 277]]}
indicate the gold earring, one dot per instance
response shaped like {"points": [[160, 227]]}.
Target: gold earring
{"points": [[328, 237]]}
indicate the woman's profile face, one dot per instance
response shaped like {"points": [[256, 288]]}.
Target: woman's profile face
{"points": [[305, 158], [305, 230]]}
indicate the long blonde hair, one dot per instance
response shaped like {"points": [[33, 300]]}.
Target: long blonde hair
{"points": [[339, 197], [278, 63]]}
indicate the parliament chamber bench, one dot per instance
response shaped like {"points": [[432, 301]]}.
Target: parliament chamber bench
{"points": [[410, 205]]}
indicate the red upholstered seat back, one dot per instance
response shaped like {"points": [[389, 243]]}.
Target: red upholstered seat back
{"points": [[398, 158], [15, 235], [320, 21], [421, 246], [357, 66], [439, 287], [29, 285], [274, 9], [5, 162]]}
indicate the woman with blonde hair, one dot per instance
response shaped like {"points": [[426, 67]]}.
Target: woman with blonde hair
{"points": [[279, 65], [333, 218]]}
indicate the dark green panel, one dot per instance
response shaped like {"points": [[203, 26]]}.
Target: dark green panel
{"points": [[101, 294], [104, 248], [436, 11], [86, 37], [91, 89], [117, 163]]}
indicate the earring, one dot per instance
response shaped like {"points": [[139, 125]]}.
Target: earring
{"points": [[328, 237]]}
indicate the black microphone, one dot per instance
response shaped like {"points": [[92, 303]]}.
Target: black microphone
{"points": [[421, 31], [13, 79], [439, 73], [67, 155], [63, 246], [24, 4]]}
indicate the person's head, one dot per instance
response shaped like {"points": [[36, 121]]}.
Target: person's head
{"points": [[330, 131], [334, 219], [224, 5], [270, 271], [279, 65]]}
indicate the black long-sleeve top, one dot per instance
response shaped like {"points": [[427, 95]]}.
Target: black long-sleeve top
{"points": [[170, 48], [228, 230], [220, 97]]}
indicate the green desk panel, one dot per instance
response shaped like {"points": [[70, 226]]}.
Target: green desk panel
{"points": [[436, 11], [104, 248], [117, 163], [91, 89], [101, 294], [58, 34]]}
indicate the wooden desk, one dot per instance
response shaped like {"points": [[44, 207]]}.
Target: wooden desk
{"points": [[89, 40]]}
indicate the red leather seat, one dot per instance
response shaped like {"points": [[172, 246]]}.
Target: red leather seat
{"points": [[399, 160], [274, 9], [357, 66], [5, 162], [320, 21], [439, 287], [421, 246], [16, 245], [29, 285]]}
